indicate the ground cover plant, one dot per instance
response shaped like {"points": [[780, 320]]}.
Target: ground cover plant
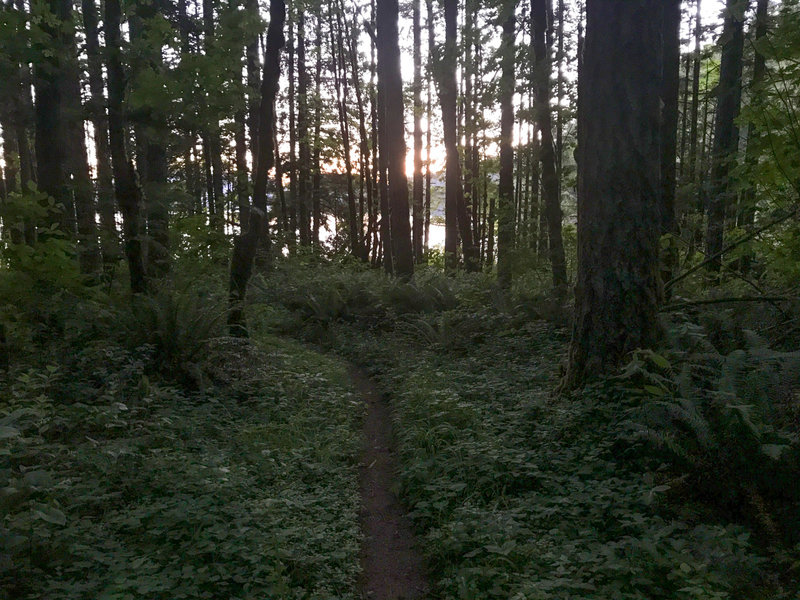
{"points": [[121, 482], [518, 492]]}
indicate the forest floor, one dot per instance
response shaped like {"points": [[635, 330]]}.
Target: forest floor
{"points": [[146, 456], [392, 569]]}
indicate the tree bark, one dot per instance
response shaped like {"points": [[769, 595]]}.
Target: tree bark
{"points": [[505, 189], [726, 131], [50, 74], [342, 92], [617, 292], [304, 147], [550, 197], [693, 121], [670, 96], [417, 213], [129, 196], [749, 201], [394, 141], [429, 113], [109, 239], [246, 244]]}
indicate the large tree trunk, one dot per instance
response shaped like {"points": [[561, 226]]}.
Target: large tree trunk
{"points": [[77, 160], [417, 212], [670, 91], [50, 73], [155, 174], [394, 142], [749, 201], [246, 244], [505, 190], [129, 196], [726, 131], [457, 222], [550, 197], [617, 292], [429, 113]]}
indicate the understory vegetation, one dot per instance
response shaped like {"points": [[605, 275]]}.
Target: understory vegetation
{"points": [[674, 480], [146, 456]]}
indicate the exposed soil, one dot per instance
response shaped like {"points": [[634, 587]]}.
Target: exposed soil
{"points": [[392, 568]]}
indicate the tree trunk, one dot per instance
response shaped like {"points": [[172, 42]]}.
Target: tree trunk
{"points": [[417, 212], [457, 222], [550, 198], [748, 211], [505, 189], [693, 121], [342, 92], [394, 142], [77, 160], [246, 244], [304, 147], [316, 191], [617, 292], [50, 73], [726, 131], [670, 92], [129, 196], [97, 110], [429, 113], [155, 174], [292, 238]]}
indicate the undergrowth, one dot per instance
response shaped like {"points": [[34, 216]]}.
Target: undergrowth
{"points": [[617, 491], [144, 456]]}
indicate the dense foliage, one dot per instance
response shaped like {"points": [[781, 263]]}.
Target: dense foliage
{"points": [[160, 460], [673, 480]]}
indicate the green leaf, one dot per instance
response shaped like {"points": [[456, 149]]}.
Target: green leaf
{"points": [[50, 514], [7, 432], [660, 361], [38, 479], [655, 390], [774, 451]]}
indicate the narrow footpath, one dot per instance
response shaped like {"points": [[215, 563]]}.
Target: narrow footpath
{"points": [[392, 569]]}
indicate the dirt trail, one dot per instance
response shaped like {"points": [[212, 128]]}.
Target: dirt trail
{"points": [[392, 568]]}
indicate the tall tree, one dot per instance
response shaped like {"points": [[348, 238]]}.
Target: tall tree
{"points": [[726, 131], [246, 244], [394, 142], [152, 127], [109, 239], [552, 201], [417, 208], [617, 292], [129, 196], [304, 145], [505, 193], [693, 120], [748, 209], [77, 160], [50, 73], [670, 87]]}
